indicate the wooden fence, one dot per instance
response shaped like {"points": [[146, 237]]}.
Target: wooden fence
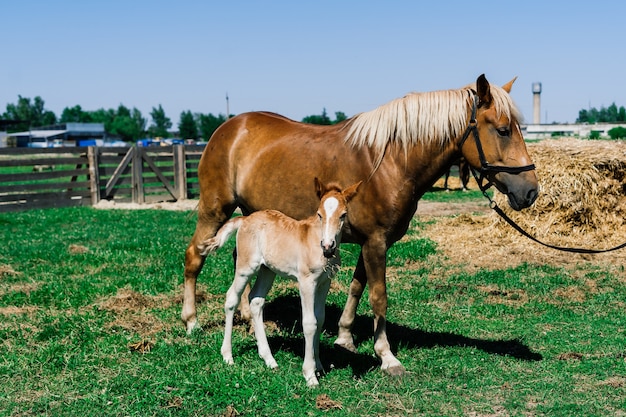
{"points": [[81, 176]]}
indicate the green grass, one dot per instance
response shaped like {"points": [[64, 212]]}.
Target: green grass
{"points": [[79, 286], [455, 196]]}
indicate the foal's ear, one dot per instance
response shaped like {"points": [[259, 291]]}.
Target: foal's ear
{"points": [[320, 189], [507, 87], [483, 91], [350, 192]]}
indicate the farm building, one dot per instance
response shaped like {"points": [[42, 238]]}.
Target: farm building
{"points": [[66, 134]]}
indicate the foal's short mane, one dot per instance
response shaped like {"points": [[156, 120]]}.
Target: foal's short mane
{"points": [[434, 117]]}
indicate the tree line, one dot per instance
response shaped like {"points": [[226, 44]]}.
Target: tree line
{"points": [[611, 114], [126, 123]]}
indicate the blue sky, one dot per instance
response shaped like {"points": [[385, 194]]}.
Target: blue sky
{"points": [[298, 57]]}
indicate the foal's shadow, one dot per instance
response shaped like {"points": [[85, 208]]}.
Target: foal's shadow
{"points": [[286, 312]]}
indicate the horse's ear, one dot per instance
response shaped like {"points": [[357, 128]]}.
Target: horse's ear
{"points": [[320, 188], [483, 91], [507, 87], [350, 192]]}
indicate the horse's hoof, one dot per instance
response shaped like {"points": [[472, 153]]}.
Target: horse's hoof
{"points": [[349, 346], [395, 371]]}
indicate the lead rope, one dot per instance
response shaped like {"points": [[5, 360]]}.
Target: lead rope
{"points": [[493, 205]]}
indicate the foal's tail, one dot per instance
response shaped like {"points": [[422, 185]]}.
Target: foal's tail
{"points": [[221, 237]]}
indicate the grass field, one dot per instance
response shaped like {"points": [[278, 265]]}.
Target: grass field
{"points": [[90, 303]]}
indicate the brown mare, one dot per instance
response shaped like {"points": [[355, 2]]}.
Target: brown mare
{"points": [[270, 243], [261, 160]]}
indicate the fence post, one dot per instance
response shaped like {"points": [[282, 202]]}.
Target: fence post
{"points": [[137, 176], [180, 172], [94, 174]]}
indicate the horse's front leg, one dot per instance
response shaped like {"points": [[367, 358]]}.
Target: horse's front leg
{"points": [[346, 321], [375, 261], [320, 316]]}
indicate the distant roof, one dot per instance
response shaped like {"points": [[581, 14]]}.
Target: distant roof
{"points": [[39, 133]]}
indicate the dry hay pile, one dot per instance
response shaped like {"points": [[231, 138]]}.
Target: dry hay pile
{"points": [[582, 201]]}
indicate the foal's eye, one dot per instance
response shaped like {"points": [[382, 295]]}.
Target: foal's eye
{"points": [[504, 131], [343, 216], [319, 216]]}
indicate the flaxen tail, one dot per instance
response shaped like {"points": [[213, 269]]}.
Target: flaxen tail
{"points": [[221, 237]]}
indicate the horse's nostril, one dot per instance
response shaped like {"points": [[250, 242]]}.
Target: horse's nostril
{"points": [[532, 195]]}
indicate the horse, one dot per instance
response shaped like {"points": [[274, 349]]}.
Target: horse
{"points": [[464, 174], [261, 160], [270, 243]]}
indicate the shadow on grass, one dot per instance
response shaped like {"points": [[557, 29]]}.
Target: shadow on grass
{"points": [[285, 311]]}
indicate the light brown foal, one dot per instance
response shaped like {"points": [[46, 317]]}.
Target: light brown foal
{"points": [[270, 243]]}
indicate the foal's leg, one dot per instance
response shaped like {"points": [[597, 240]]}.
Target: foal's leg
{"points": [[311, 327], [244, 304], [258, 293], [233, 296]]}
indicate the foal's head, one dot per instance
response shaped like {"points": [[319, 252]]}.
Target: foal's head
{"points": [[332, 212]]}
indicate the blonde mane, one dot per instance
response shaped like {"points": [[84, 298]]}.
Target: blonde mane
{"points": [[434, 117]]}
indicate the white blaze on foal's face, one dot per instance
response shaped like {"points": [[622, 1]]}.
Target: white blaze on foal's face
{"points": [[332, 221]]}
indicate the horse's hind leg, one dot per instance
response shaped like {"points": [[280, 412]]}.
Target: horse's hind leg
{"points": [[210, 219]]}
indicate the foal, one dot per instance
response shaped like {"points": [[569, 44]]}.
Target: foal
{"points": [[270, 243]]}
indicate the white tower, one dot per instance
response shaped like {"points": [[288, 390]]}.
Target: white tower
{"points": [[536, 103]]}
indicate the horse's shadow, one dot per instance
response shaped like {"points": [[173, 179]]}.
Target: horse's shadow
{"points": [[286, 312]]}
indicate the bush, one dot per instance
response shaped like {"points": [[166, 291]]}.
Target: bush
{"points": [[618, 132]]}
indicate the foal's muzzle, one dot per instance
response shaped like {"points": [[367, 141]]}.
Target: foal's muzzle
{"points": [[329, 250]]}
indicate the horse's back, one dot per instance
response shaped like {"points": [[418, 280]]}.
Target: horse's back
{"points": [[262, 160]]}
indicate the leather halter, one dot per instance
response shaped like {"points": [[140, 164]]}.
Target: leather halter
{"points": [[485, 166]]}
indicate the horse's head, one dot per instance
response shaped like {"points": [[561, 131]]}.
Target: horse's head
{"points": [[493, 144], [332, 213]]}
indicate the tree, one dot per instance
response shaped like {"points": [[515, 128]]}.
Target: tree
{"points": [[323, 118], [30, 114], [127, 124], [611, 114], [209, 123], [340, 117], [75, 115], [187, 127], [160, 123]]}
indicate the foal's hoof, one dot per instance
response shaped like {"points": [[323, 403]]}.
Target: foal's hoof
{"points": [[192, 326], [395, 371], [312, 382]]}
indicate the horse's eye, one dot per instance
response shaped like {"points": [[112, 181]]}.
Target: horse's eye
{"points": [[343, 216], [319, 215], [504, 131]]}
